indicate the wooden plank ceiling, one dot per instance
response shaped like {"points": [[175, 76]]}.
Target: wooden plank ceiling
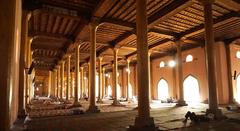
{"points": [[56, 25]]}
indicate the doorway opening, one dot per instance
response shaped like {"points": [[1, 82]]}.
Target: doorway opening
{"points": [[163, 93], [191, 89]]}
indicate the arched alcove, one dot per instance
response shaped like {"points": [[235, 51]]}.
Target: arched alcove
{"points": [[163, 93], [191, 89]]}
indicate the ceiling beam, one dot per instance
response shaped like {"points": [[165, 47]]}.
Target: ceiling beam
{"points": [[163, 33], [149, 47], [118, 22], [168, 11], [200, 28]]}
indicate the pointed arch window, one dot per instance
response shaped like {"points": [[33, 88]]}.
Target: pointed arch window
{"points": [[189, 58], [162, 64]]}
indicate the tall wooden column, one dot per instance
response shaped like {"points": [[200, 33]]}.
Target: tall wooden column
{"points": [[68, 76], [93, 28], [77, 48], [22, 75], [58, 81], [210, 60], [49, 83], [181, 101], [82, 83], [54, 82], [143, 121], [229, 71], [89, 83], [115, 77], [72, 85], [100, 80], [103, 82], [149, 76], [128, 78], [62, 79]]}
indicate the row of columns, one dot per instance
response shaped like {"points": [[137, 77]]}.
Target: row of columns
{"points": [[143, 120]]}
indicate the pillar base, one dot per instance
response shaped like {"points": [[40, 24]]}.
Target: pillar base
{"points": [[143, 124], [93, 109], [181, 103], [217, 113], [116, 103]]}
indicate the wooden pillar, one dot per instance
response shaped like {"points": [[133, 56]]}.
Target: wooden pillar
{"points": [[82, 82], [210, 60], [62, 79], [149, 76], [10, 37], [58, 81], [143, 121], [22, 75], [49, 83], [68, 76], [181, 101], [54, 82], [93, 28], [77, 48], [100, 80], [128, 78], [89, 80], [229, 71], [72, 85], [115, 78], [103, 83]]}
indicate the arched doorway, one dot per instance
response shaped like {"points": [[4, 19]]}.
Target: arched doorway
{"points": [[163, 90], [238, 89], [191, 89]]}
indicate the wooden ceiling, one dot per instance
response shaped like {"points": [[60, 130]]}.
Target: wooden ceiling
{"points": [[55, 26]]}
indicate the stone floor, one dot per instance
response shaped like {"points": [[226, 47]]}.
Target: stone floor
{"points": [[166, 116]]}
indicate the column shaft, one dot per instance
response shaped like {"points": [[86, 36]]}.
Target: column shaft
{"points": [[103, 82], [209, 36], [76, 74], [143, 121], [128, 78], [49, 83], [68, 76], [142, 60], [229, 71], [58, 81], [93, 29], [115, 77], [82, 83], [62, 79], [89, 83], [100, 80], [149, 76], [93, 65]]}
